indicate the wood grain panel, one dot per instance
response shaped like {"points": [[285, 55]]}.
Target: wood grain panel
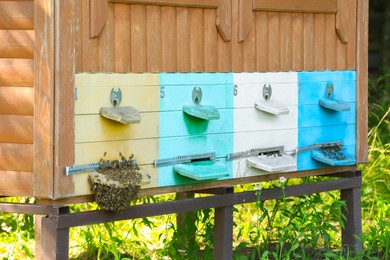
{"points": [[330, 42], [16, 183], [274, 41], [17, 44], [308, 42], [16, 72], [262, 43], [362, 82], [154, 37], [89, 47], [297, 42], [183, 39], [310, 6], [79, 37], [224, 55], [16, 129], [138, 38], [319, 42], [16, 157], [64, 97], [245, 19], [285, 41], [351, 48], [169, 41], [122, 38], [107, 43], [16, 101], [43, 149], [98, 16], [210, 42], [181, 3], [17, 15], [250, 49], [237, 47], [196, 40]]}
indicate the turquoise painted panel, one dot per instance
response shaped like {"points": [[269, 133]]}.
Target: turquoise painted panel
{"points": [[177, 123], [311, 92], [221, 144], [181, 134], [316, 115], [310, 135], [176, 90]]}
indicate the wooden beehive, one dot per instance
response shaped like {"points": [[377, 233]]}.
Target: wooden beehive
{"points": [[59, 61]]}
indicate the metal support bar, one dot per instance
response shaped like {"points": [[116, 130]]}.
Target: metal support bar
{"points": [[223, 231]]}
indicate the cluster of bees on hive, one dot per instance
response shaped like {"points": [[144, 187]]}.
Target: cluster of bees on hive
{"points": [[333, 151], [116, 183]]}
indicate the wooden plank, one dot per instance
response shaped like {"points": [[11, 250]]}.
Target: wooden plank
{"points": [[98, 16], [122, 38], [224, 19], [341, 51], [138, 38], [64, 97], [44, 100], [16, 72], [330, 43], [237, 47], [245, 19], [342, 18], [16, 101], [285, 42], [89, 47], [351, 48], [308, 6], [308, 42], [16, 129], [196, 40], [180, 3], [274, 41], [16, 157], [79, 37], [17, 15], [250, 50], [169, 42], [154, 38], [210, 42], [362, 82], [14, 183], [297, 42], [262, 42], [106, 42], [319, 42], [224, 55], [183, 39], [17, 44]]}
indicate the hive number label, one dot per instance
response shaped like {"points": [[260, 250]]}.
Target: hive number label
{"points": [[162, 92], [235, 90]]}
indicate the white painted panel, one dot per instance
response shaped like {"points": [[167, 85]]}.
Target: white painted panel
{"points": [[252, 140], [268, 77], [252, 119]]}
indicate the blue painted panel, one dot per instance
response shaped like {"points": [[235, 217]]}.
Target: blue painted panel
{"points": [[217, 89], [181, 134], [221, 144], [310, 135], [326, 76], [316, 115], [311, 92]]}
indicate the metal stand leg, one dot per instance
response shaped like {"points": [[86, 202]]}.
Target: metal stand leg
{"points": [[223, 231], [353, 225], [54, 241]]}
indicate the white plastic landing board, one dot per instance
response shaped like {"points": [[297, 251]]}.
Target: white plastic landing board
{"points": [[272, 163], [272, 107]]}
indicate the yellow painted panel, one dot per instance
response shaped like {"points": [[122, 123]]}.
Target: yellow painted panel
{"points": [[95, 128], [116, 80]]}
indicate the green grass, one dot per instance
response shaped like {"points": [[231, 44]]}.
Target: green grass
{"points": [[304, 227]]}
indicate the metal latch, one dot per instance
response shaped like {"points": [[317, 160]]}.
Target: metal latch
{"points": [[185, 159]]}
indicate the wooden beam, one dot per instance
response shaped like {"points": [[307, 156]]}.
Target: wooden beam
{"points": [[44, 98], [16, 183], [362, 82], [301, 6], [342, 21], [16, 15], [98, 16], [244, 19], [224, 19], [181, 3]]}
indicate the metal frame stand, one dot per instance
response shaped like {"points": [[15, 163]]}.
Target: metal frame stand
{"points": [[54, 232]]}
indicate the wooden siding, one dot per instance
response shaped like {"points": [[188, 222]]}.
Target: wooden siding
{"points": [[16, 97], [155, 38]]}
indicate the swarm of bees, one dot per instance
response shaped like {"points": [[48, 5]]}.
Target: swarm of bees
{"points": [[116, 183], [333, 152]]}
